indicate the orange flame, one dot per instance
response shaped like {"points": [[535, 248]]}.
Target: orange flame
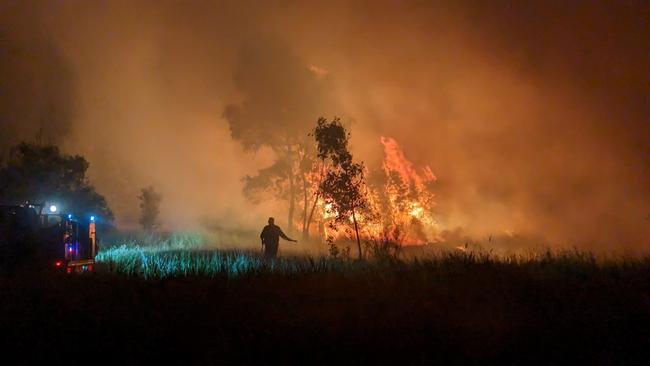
{"points": [[400, 209], [395, 160], [404, 203]]}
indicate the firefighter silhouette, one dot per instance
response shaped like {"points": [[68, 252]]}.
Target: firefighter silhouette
{"points": [[270, 236]]}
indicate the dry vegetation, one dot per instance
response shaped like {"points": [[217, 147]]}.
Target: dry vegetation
{"points": [[162, 304]]}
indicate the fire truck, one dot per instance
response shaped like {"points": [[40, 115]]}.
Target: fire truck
{"points": [[62, 240]]}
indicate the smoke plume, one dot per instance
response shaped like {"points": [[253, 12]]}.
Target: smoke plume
{"points": [[533, 116]]}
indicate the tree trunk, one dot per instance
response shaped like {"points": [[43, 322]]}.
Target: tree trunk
{"points": [[305, 231], [311, 212], [313, 207], [292, 190], [356, 229]]}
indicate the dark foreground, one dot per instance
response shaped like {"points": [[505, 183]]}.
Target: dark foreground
{"points": [[458, 310]]}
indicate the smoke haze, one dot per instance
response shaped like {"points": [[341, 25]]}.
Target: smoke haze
{"points": [[534, 116]]}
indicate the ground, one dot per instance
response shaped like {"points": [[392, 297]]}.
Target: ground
{"points": [[456, 309]]}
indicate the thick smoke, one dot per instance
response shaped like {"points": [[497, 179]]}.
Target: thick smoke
{"points": [[36, 84], [280, 96], [532, 115]]}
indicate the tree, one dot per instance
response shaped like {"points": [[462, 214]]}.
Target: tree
{"points": [[343, 185], [276, 181], [40, 173], [280, 96], [311, 174], [150, 208]]}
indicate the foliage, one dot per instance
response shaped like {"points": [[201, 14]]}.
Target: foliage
{"points": [[286, 179], [271, 180], [334, 250], [150, 208], [344, 182], [383, 247], [40, 173]]}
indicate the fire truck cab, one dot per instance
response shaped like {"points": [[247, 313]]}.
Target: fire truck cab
{"points": [[66, 242]]}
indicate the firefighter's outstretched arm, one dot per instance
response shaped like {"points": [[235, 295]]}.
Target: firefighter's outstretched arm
{"points": [[283, 236]]}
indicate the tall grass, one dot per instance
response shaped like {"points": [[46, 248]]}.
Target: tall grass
{"points": [[164, 241], [185, 256], [151, 262]]}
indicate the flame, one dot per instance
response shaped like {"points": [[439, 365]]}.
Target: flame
{"points": [[395, 160], [400, 199], [403, 202], [416, 211]]}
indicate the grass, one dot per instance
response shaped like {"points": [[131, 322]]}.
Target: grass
{"points": [[167, 304], [187, 255], [170, 259], [156, 263]]}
